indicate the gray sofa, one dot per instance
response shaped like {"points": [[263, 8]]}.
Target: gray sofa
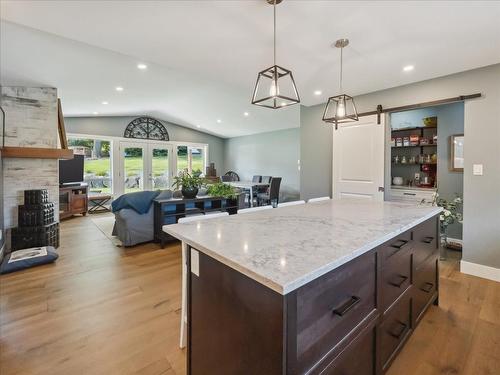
{"points": [[132, 228]]}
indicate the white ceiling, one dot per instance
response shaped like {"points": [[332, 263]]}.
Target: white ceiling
{"points": [[203, 56]]}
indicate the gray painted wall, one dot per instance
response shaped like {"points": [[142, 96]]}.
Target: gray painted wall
{"points": [[315, 153], [450, 122], [481, 232], [267, 154], [115, 126]]}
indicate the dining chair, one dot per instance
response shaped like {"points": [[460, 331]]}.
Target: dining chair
{"points": [[312, 200], [184, 248], [253, 209], [272, 195], [264, 188], [233, 175], [294, 203]]}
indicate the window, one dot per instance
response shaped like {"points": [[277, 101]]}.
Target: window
{"points": [[97, 171], [190, 159]]}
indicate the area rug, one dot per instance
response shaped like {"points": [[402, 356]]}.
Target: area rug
{"points": [[105, 224]]}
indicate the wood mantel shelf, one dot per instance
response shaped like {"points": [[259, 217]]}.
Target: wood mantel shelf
{"points": [[36, 153]]}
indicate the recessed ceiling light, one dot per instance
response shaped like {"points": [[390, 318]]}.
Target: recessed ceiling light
{"points": [[198, 126], [219, 121], [246, 114], [408, 68], [95, 113], [318, 92], [104, 103], [119, 88], [142, 66]]}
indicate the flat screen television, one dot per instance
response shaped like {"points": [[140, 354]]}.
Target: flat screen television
{"points": [[71, 170]]}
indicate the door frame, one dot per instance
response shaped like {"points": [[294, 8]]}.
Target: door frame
{"points": [[117, 185], [121, 162], [149, 162], [384, 122]]}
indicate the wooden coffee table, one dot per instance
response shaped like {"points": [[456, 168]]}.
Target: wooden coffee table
{"points": [[98, 201]]}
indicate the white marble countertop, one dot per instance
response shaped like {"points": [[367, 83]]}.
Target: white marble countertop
{"points": [[285, 248]]}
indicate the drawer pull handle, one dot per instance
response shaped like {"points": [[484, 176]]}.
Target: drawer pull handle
{"points": [[402, 329], [346, 306], [401, 281], [399, 244], [412, 194], [427, 288], [428, 239]]}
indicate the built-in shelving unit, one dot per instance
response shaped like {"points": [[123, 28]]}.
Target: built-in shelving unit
{"points": [[415, 157]]}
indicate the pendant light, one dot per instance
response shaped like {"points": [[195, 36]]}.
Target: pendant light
{"points": [[340, 108], [275, 87]]}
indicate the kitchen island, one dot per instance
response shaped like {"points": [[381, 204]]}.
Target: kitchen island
{"points": [[333, 287]]}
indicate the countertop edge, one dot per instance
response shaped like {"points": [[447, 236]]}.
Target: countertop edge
{"points": [[290, 287]]}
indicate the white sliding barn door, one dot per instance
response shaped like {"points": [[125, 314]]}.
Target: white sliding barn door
{"points": [[358, 159]]}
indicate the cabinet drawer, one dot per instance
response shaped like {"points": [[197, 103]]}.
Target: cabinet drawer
{"points": [[357, 359], [395, 246], [331, 307], [395, 277], [394, 329], [425, 286], [425, 240], [410, 195]]}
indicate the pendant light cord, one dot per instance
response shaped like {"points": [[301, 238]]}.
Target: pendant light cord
{"points": [[340, 81], [274, 42]]}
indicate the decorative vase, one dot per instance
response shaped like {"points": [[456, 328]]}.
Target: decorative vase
{"points": [[189, 192]]}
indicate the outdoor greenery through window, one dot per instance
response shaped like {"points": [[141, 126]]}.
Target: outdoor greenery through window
{"points": [[190, 159], [134, 169], [97, 165]]}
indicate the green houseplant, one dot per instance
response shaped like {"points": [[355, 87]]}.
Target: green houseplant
{"points": [[188, 184], [452, 213], [220, 189]]}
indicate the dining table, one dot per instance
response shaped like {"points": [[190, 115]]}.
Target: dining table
{"points": [[248, 185]]}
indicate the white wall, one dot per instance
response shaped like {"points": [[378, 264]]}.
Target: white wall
{"points": [[267, 154], [482, 133]]}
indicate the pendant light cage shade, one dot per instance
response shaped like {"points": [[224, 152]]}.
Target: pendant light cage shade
{"points": [[340, 109], [275, 88]]}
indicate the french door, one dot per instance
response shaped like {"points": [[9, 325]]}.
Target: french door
{"points": [[145, 166]]}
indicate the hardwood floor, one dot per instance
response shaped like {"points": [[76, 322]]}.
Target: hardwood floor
{"points": [[99, 309], [103, 309]]}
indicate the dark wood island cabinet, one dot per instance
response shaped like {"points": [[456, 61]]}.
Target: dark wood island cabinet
{"points": [[351, 320]]}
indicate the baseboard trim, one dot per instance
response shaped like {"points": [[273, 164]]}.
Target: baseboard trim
{"points": [[479, 270]]}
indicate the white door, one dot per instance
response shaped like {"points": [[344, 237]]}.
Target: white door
{"points": [[132, 166], [159, 166], [145, 166], [358, 159]]}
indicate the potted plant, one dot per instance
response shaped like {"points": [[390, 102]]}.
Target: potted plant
{"points": [[188, 184], [452, 213], [222, 190]]}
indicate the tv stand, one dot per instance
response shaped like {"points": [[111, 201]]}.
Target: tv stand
{"points": [[73, 200]]}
